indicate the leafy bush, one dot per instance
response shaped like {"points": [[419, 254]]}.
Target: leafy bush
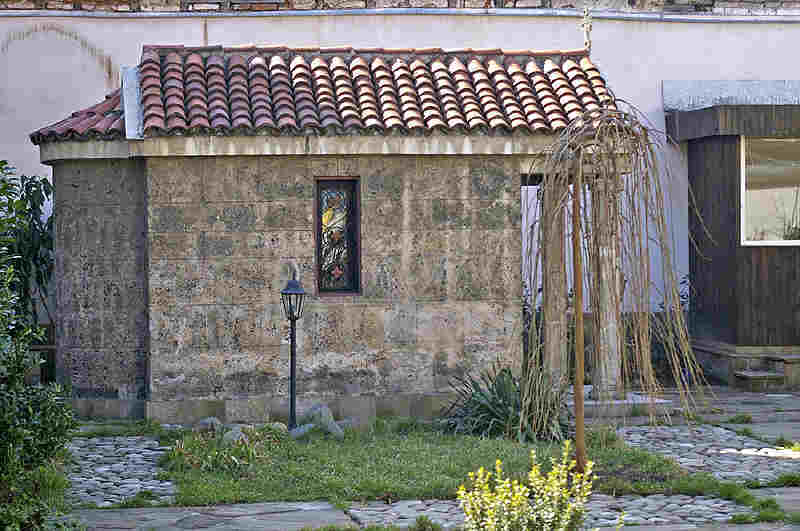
{"points": [[35, 422], [548, 502], [491, 405], [27, 497], [27, 237]]}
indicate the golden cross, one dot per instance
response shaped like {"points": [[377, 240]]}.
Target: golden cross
{"points": [[587, 29]]}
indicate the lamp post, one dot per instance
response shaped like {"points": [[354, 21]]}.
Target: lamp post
{"points": [[292, 299]]}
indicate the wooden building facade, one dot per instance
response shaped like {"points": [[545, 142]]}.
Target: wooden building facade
{"points": [[744, 251]]}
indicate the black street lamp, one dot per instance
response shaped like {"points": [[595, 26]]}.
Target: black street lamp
{"points": [[292, 298]]}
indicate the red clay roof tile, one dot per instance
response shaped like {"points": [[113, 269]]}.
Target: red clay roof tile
{"points": [[247, 89]]}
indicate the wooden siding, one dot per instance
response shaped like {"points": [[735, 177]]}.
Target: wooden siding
{"points": [[713, 225], [768, 293], [747, 120], [744, 295]]}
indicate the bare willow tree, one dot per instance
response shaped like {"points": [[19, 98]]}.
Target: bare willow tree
{"points": [[605, 172]]}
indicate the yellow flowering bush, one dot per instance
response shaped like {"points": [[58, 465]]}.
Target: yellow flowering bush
{"points": [[550, 502]]}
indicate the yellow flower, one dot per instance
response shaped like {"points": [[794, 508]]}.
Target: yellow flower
{"points": [[326, 218]]}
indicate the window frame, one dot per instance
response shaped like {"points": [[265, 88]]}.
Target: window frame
{"points": [[355, 181], [743, 241]]}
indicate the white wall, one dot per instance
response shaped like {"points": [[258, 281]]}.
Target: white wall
{"points": [[51, 66]]}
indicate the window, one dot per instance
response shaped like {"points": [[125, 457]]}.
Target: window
{"points": [[770, 191], [338, 227]]}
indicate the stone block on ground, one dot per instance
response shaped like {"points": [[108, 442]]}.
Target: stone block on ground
{"points": [[234, 436], [209, 424], [299, 431], [349, 423], [239, 426], [279, 426], [321, 415]]}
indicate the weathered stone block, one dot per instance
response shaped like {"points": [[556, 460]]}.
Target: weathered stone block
{"points": [[108, 408], [381, 277], [427, 276], [184, 411], [430, 406], [440, 325], [469, 280], [400, 324], [491, 178], [439, 177], [362, 409], [176, 179], [384, 182], [324, 167]]}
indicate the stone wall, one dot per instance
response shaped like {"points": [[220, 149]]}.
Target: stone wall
{"points": [[101, 286], [440, 275], [717, 7]]}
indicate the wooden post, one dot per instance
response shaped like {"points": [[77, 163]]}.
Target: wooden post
{"points": [[577, 275], [554, 281]]}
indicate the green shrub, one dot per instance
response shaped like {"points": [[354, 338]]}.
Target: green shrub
{"points": [[26, 237], [28, 496], [491, 405], [35, 422], [548, 502]]}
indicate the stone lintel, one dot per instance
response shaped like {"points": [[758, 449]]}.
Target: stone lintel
{"points": [[206, 146]]}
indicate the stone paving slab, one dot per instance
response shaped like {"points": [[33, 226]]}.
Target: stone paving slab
{"points": [[771, 430], [240, 517], [716, 450], [109, 470]]}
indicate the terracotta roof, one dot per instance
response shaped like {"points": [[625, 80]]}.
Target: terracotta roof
{"points": [[276, 90], [103, 120]]}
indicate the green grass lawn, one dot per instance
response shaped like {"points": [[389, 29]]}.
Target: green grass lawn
{"points": [[374, 464], [390, 461]]}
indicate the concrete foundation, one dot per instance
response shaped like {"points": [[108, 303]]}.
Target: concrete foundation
{"points": [[758, 368]]}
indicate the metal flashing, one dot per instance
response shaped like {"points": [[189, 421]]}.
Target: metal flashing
{"points": [[691, 95], [499, 12], [131, 97]]}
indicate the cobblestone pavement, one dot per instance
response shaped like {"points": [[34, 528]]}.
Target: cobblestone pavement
{"points": [[603, 511], [108, 470], [718, 451], [722, 452]]}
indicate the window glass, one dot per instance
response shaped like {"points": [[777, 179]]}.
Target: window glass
{"points": [[771, 190], [337, 235]]}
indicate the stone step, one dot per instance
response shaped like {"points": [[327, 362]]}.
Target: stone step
{"points": [[759, 380]]}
